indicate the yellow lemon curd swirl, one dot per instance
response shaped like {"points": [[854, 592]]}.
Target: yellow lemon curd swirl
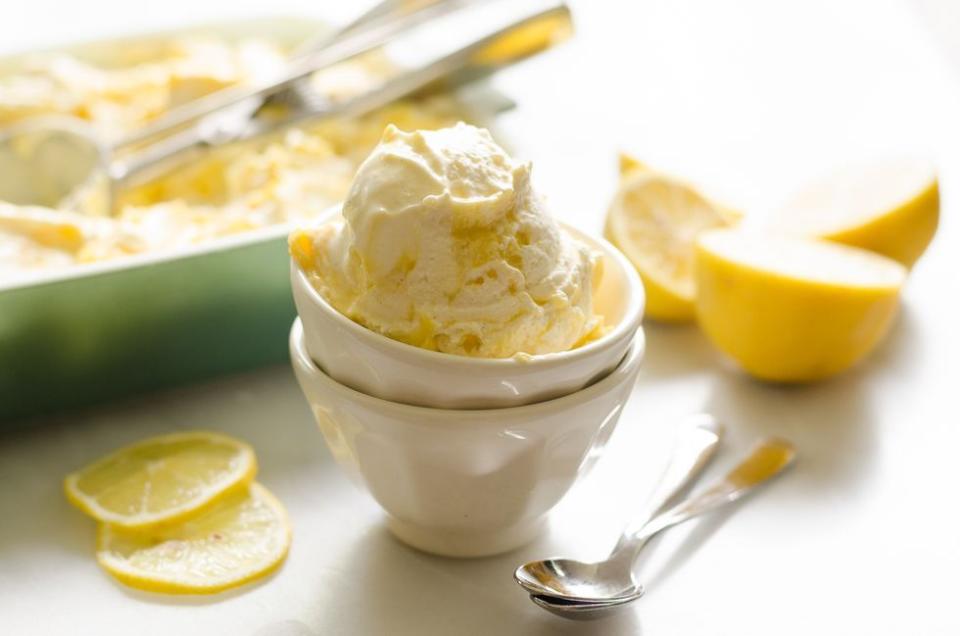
{"points": [[444, 244]]}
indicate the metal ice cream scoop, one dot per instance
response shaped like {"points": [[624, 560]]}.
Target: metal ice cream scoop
{"points": [[61, 162]]}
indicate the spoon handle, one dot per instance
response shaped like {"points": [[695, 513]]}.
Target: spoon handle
{"points": [[767, 459], [695, 446]]}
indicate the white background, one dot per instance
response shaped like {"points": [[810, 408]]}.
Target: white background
{"points": [[746, 98]]}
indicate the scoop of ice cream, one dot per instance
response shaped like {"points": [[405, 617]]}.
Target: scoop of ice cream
{"points": [[444, 244]]}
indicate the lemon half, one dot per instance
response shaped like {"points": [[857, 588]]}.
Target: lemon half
{"points": [[891, 207], [243, 537], [791, 309], [654, 220], [163, 479]]}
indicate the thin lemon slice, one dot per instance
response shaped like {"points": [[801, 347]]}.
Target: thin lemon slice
{"points": [[792, 309], [655, 219], [891, 207], [243, 537], [163, 479]]}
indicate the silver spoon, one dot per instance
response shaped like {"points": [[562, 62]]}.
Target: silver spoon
{"points": [[696, 443], [578, 590]]}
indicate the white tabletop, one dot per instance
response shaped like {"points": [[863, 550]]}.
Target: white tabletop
{"points": [[747, 98]]}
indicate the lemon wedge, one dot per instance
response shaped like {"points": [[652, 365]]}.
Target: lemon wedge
{"points": [[654, 220], [791, 309], [891, 207], [162, 480], [628, 163], [243, 537]]}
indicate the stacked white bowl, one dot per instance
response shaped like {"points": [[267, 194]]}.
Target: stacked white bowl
{"points": [[467, 455]]}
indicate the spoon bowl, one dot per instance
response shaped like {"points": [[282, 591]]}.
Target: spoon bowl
{"points": [[579, 582], [579, 611]]}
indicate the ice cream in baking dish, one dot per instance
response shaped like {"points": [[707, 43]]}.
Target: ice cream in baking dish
{"points": [[293, 176], [444, 244]]}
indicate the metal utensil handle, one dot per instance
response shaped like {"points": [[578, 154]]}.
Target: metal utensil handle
{"points": [[381, 10], [767, 459], [438, 65], [695, 446], [345, 46], [214, 132]]}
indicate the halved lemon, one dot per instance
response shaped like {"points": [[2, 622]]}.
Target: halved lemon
{"points": [[655, 219], [791, 309], [243, 537], [163, 479], [890, 206]]}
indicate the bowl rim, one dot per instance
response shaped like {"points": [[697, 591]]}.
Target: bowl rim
{"points": [[633, 316], [626, 366]]}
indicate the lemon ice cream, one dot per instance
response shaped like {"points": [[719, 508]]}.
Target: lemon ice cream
{"points": [[444, 244]]}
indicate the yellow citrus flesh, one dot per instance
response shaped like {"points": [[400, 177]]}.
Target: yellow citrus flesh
{"points": [[162, 480], [243, 537], [655, 220], [891, 207], [791, 309], [628, 164]]}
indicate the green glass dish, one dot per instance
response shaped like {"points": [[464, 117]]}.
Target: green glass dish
{"points": [[79, 340]]}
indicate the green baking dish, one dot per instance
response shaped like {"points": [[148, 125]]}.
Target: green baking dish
{"points": [[101, 332]]}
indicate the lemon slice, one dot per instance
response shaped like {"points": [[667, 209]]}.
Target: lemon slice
{"points": [[655, 219], [162, 480], [791, 309], [891, 207], [243, 537]]}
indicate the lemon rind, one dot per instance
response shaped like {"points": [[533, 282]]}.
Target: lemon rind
{"points": [[771, 360], [881, 233]]}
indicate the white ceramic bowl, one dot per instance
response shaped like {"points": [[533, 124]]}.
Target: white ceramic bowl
{"points": [[465, 483], [379, 366]]}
